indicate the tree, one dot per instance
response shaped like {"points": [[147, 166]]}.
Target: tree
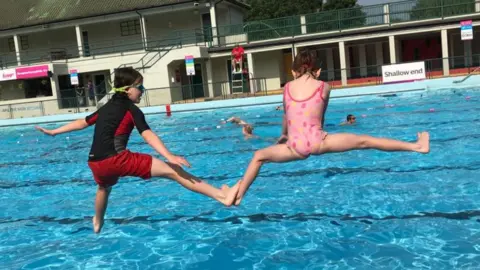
{"points": [[429, 9], [270, 19], [336, 15], [271, 9]]}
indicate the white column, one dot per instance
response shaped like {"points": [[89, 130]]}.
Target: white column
{"points": [[208, 64], [295, 51], [343, 64], [393, 54], [213, 19], [251, 73], [386, 14], [143, 28], [17, 49], [330, 64], [362, 59], [467, 51], [78, 31], [347, 61], [446, 67], [477, 7], [303, 23]]}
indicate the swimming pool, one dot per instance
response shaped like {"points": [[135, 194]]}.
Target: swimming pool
{"points": [[355, 210]]}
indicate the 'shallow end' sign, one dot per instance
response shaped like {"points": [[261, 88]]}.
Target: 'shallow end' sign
{"points": [[404, 72]]}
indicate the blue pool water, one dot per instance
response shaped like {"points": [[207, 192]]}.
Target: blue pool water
{"points": [[355, 210]]}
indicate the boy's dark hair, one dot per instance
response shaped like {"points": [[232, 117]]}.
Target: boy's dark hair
{"points": [[125, 77], [349, 117], [306, 62]]}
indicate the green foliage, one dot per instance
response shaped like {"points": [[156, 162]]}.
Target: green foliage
{"points": [[270, 9], [429, 9]]}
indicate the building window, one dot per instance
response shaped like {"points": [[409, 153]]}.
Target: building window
{"points": [[130, 28], [24, 42], [11, 44]]}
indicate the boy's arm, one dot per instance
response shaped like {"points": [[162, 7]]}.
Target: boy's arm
{"points": [[153, 140], [78, 124]]}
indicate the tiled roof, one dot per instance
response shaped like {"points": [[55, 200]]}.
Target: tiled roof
{"points": [[22, 13]]}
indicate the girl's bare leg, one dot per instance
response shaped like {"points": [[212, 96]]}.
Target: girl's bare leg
{"points": [[277, 153], [101, 202], [174, 172], [345, 142]]}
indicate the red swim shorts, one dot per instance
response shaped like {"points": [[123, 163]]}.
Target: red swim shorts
{"points": [[106, 172]]}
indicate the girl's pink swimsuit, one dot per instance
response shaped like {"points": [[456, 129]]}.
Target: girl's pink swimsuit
{"points": [[304, 121]]}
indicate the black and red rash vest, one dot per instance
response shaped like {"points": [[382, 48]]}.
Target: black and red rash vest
{"points": [[114, 123]]}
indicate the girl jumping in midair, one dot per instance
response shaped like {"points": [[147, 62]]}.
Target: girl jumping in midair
{"points": [[305, 101]]}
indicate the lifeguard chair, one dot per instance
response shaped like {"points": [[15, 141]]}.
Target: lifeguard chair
{"points": [[239, 70]]}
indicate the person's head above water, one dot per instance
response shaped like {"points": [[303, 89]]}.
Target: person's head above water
{"points": [[306, 62], [129, 81], [351, 119], [248, 129]]}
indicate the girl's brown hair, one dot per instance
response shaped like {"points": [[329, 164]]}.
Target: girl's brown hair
{"points": [[306, 63]]}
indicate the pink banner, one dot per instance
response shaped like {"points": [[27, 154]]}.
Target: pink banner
{"points": [[32, 72], [463, 23]]}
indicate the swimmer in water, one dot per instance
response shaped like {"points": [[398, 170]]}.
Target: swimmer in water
{"points": [[247, 129], [279, 108], [235, 120], [109, 158], [351, 120], [305, 102]]}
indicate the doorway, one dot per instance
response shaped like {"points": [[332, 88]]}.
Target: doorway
{"points": [[207, 27], [197, 82], [86, 45], [100, 85]]}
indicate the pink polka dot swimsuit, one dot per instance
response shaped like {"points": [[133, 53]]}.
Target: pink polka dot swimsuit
{"points": [[304, 121]]}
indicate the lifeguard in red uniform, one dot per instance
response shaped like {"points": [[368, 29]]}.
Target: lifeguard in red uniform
{"points": [[237, 58]]}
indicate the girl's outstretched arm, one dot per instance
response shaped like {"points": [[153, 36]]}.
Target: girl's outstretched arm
{"points": [[326, 97], [74, 125]]}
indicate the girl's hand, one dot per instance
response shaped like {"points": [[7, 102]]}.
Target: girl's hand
{"points": [[45, 131], [179, 161], [283, 139]]}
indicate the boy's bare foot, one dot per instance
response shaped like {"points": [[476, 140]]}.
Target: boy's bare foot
{"points": [[424, 142], [229, 194], [97, 225]]}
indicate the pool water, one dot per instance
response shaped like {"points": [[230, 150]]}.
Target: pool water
{"points": [[355, 210]]}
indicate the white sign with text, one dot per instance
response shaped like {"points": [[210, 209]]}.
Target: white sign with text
{"points": [[8, 74], [403, 72]]}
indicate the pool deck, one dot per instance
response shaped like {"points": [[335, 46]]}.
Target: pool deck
{"points": [[433, 84]]}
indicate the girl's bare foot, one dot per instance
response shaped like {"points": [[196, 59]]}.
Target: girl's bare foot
{"points": [[423, 142], [229, 194], [239, 198], [97, 225]]}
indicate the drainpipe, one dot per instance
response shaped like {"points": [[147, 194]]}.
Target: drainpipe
{"points": [[143, 30]]}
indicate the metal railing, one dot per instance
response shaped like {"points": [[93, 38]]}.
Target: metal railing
{"points": [[387, 14], [78, 99], [103, 49]]}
